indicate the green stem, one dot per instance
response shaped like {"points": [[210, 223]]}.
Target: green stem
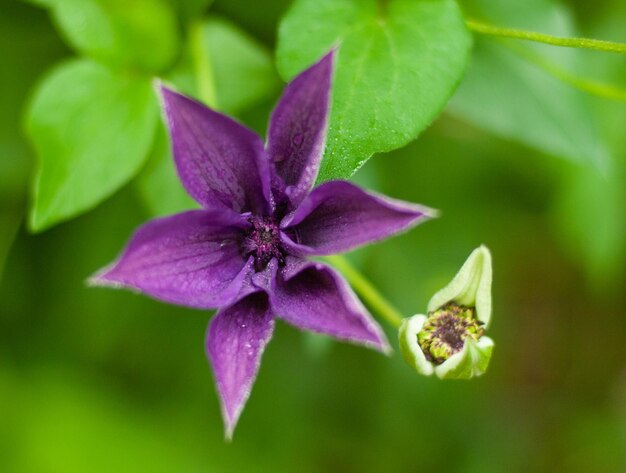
{"points": [[580, 43], [600, 89], [366, 290], [202, 65]]}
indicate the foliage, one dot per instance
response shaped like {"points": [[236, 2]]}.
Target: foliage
{"points": [[519, 159], [398, 64]]}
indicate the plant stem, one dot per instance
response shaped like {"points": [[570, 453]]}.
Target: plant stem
{"points": [[366, 290], [590, 86], [580, 43], [202, 65]]}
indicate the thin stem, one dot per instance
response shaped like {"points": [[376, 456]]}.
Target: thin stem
{"points": [[600, 89], [202, 65], [580, 43], [366, 290]]}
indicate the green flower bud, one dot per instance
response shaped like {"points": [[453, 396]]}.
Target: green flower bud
{"points": [[450, 340]]}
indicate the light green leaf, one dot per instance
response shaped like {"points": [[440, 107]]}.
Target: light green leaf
{"points": [[399, 61], [92, 130], [243, 69], [509, 91], [189, 9], [239, 70], [138, 34], [159, 186]]}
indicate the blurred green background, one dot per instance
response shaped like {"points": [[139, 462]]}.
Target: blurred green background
{"points": [[108, 381]]}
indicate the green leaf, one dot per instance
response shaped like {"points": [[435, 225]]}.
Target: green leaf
{"points": [[92, 130], [159, 186], [589, 209], [138, 34], [508, 90], [189, 9], [399, 61], [590, 212], [243, 69], [240, 70]]}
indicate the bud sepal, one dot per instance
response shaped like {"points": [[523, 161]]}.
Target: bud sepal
{"points": [[410, 348], [470, 287]]}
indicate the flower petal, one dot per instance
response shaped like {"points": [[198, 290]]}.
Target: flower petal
{"points": [[339, 216], [191, 259], [297, 130], [317, 298], [220, 162], [236, 340], [263, 280]]}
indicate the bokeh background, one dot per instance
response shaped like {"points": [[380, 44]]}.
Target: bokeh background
{"points": [[107, 381]]}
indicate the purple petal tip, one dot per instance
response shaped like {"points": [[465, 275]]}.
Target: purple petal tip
{"points": [[101, 279], [235, 341]]}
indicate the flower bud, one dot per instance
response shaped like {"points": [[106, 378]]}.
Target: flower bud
{"points": [[450, 340]]}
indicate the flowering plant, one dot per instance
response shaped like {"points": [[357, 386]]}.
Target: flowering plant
{"points": [[246, 251]]}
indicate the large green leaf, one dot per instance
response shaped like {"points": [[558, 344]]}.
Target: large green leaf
{"points": [[140, 34], [92, 130], [590, 209], [590, 213], [398, 63], [508, 91]]}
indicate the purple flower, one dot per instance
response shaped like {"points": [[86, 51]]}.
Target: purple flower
{"points": [[245, 251]]}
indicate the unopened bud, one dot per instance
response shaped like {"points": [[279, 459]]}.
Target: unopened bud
{"points": [[450, 340]]}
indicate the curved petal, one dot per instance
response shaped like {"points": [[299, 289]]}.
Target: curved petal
{"points": [[264, 280], [191, 259], [317, 298], [470, 287], [220, 162], [472, 361], [409, 346], [236, 340], [339, 216], [297, 130]]}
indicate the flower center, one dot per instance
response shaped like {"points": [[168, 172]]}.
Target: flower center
{"points": [[263, 242], [445, 331]]}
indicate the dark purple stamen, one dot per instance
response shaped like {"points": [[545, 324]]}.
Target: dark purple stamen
{"points": [[263, 242]]}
